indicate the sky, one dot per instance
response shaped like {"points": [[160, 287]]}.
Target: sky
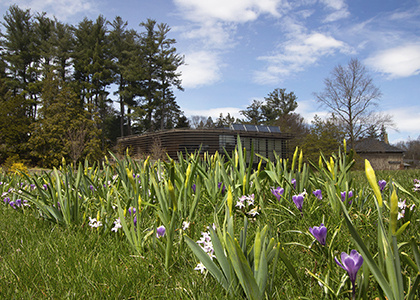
{"points": [[237, 51]]}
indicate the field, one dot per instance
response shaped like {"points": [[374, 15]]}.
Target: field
{"points": [[210, 227]]}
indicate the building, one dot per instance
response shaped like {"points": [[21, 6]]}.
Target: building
{"points": [[266, 140], [381, 155]]}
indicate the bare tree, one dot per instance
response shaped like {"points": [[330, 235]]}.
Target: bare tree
{"points": [[76, 142], [351, 95], [198, 121]]}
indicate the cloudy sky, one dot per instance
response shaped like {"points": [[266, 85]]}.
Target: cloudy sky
{"points": [[240, 50]]}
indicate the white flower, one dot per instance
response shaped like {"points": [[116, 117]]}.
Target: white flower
{"points": [[250, 200], [117, 225], [402, 205], [185, 225], [401, 214], [94, 223], [213, 226], [240, 204], [200, 267], [205, 237], [253, 212]]}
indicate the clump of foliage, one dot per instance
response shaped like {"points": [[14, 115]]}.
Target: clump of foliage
{"points": [[283, 230]]}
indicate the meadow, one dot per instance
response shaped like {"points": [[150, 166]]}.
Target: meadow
{"points": [[211, 227]]}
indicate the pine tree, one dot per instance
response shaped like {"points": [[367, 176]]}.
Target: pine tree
{"points": [[123, 50], [62, 120], [20, 54]]}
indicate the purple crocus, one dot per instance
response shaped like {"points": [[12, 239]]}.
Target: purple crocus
{"points": [[351, 263], [193, 187], [349, 195], [318, 194], [382, 184], [278, 192], [320, 233], [294, 182], [221, 185], [18, 202], [160, 231], [132, 210], [298, 200], [12, 204]]}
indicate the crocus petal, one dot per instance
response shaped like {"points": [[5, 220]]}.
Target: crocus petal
{"points": [[338, 263], [320, 233], [160, 231]]}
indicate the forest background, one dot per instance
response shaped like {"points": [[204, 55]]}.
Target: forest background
{"points": [[56, 79]]}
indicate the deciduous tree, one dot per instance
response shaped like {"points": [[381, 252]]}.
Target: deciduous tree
{"points": [[352, 96]]}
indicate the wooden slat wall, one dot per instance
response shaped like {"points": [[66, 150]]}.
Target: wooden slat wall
{"points": [[175, 140]]}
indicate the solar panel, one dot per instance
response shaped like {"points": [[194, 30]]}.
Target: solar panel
{"points": [[249, 127], [263, 128], [275, 129], [237, 127], [255, 128]]}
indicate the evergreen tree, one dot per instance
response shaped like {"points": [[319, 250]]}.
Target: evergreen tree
{"points": [[92, 61], [15, 121], [61, 121], [156, 75], [253, 113], [278, 105], [123, 50], [92, 68], [225, 121], [182, 122], [168, 63], [63, 45], [324, 136], [19, 54]]}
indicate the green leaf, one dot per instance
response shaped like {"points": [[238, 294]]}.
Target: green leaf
{"points": [[207, 262], [380, 278], [221, 258], [414, 288], [289, 266], [242, 269]]}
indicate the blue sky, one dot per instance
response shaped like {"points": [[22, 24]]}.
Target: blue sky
{"points": [[240, 50]]}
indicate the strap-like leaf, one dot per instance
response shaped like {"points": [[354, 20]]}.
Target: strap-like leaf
{"points": [[242, 269], [207, 262]]}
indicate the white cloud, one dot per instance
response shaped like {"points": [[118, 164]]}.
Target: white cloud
{"points": [[339, 8], [335, 4], [403, 61], [227, 11], [407, 120], [213, 35], [62, 9], [201, 68], [296, 54], [214, 113]]}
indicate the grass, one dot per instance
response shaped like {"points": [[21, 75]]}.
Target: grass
{"points": [[40, 260], [44, 260]]}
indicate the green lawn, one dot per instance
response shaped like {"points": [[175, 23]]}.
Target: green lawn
{"points": [[51, 252]]}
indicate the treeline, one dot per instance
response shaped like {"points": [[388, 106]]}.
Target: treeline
{"points": [[56, 81]]}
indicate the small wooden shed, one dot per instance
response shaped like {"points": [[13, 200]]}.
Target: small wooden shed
{"points": [[266, 140], [381, 155]]}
